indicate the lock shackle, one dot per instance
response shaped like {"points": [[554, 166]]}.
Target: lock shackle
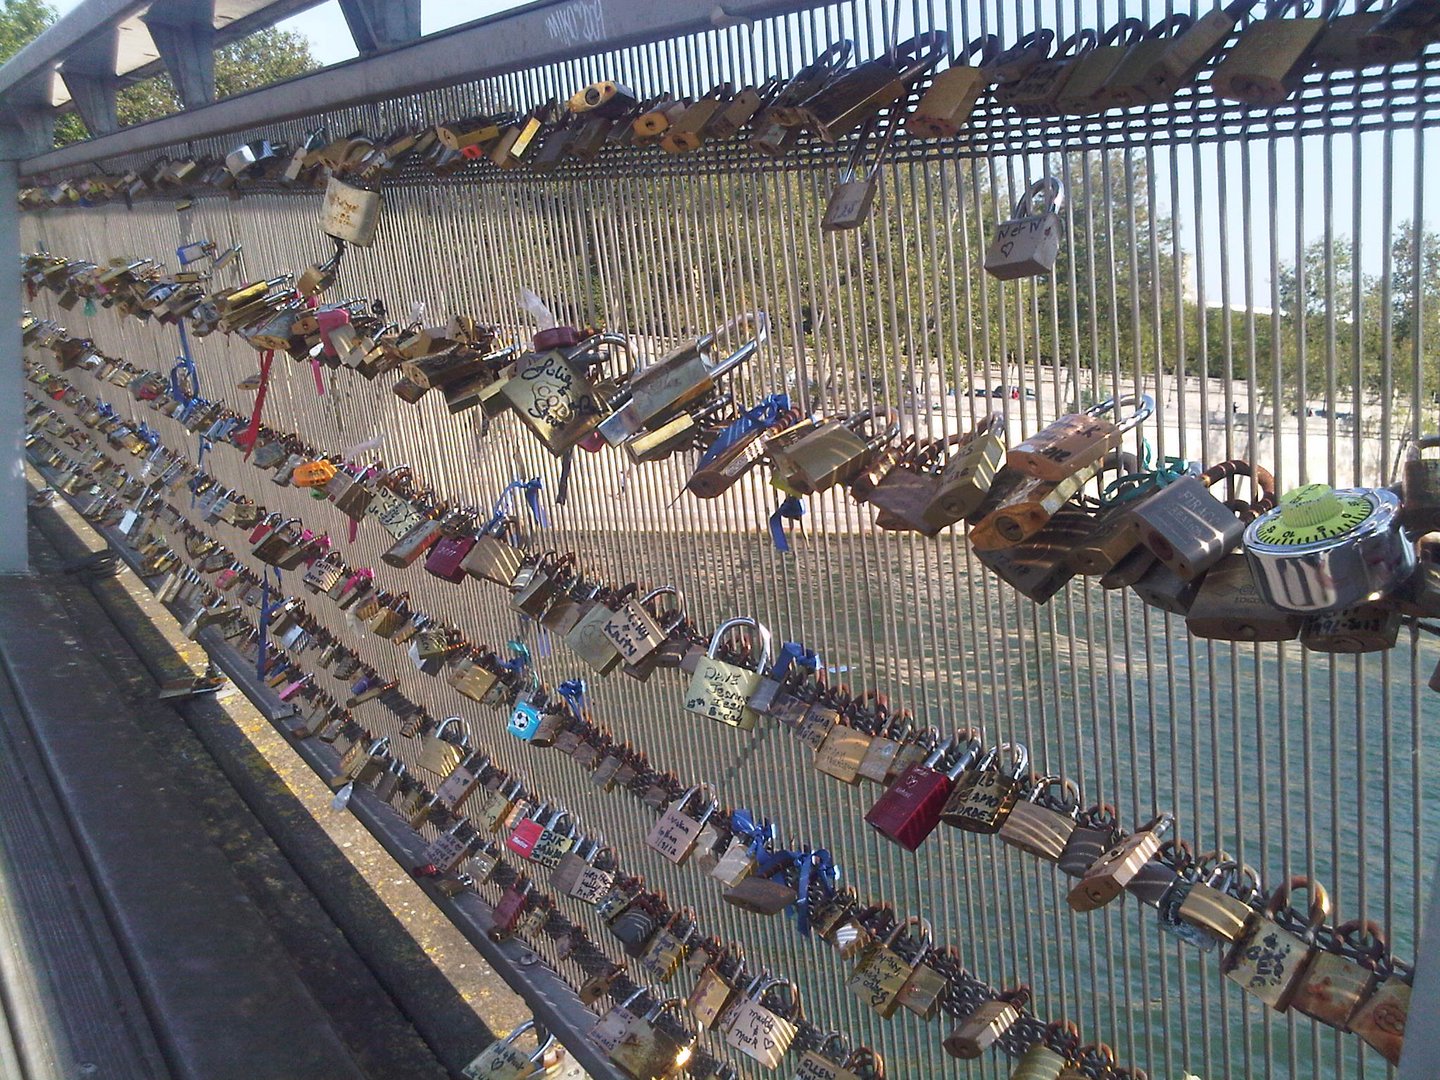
{"points": [[378, 745], [1131, 29], [759, 320], [830, 59], [1423, 442], [1069, 801], [1081, 42], [1048, 188], [1035, 41], [701, 789], [970, 752], [1348, 939], [871, 415], [923, 51], [444, 726], [742, 620], [1019, 759], [665, 590], [1172, 26], [1319, 911], [838, 1038], [1143, 404], [986, 45], [768, 982], [927, 932]]}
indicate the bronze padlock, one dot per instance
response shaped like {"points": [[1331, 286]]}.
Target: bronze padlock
{"points": [[1269, 59], [986, 1025], [1076, 440], [1220, 902], [947, 103], [833, 453], [855, 96], [1134, 80], [1342, 974]]}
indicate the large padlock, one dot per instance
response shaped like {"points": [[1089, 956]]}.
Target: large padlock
{"points": [[713, 992], [986, 1024], [1042, 824], [910, 808], [1085, 91], [1342, 975], [1107, 877], [1188, 528], [947, 103], [1272, 957], [1028, 244], [1037, 92], [350, 213], [886, 965], [768, 889], [833, 453], [1077, 440], [674, 836], [439, 756], [502, 1060], [722, 690], [618, 1021], [859, 94], [757, 1030], [636, 629], [553, 394], [984, 797], [1269, 59], [683, 377]]}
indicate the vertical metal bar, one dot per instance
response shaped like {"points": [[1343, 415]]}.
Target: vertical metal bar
{"points": [[14, 545]]}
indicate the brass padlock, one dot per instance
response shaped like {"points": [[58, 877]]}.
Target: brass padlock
{"points": [[884, 966], [1356, 40], [1028, 244], [842, 752], [946, 105], [1358, 629], [925, 990], [1107, 877], [1343, 973], [712, 995], [1271, 959], [1076, 440], [1086, 90], [758, 1031], [588, 638], [969, 474], [986, 1024], [692, 127], [554, 395], [667, 949], [833, 453], [1269, 59], [1219, 903], [674, 836], [985, 795], [652, 1052], [1135, 80], [501, 1060], [1380, 1018], [722, 690], [859, 94], [1037, 92], [1042, 824], [824, 1064]]}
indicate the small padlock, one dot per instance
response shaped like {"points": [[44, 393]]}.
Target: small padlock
{"points": [[711, 996], [946, 105], [1107, 877], [1219, 902], [833, 453], [501, 1060], [438, 756], [758, 1031], [1042, 824], [986, 1024], [842, 752], [1269, 59], [857, 95], [1086, 90], [721, 690], [1380, 1018], [1359, 629], [652, 1052], [1271, 959], [1028, 244], [853, 196], [1037, 92], [1355, 41], [769, 888], [1077, 440], [1342, 974], [884, 969], [667, 949], [1162, 873], [1190, 530], [1046, 1058], [909, 810], [674, 836], [927, 986], [984, 797]]}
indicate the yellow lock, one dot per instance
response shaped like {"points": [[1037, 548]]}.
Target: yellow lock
{"points": [[1036, 93], [946, 106], [722, 690], [1270, 57], [1085, 90]]}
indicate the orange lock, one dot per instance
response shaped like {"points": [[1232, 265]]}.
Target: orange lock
{"points": [[313, 474]]}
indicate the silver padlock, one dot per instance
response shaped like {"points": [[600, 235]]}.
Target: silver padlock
{"points": [[1029, 243], [350, 213], [850, 202]]}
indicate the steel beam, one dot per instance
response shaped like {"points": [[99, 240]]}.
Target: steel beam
{"points": [[512, 41], [381, 24], [184, 35], [70, 32], [94, 97]]}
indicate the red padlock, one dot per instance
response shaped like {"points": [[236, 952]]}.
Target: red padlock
{"points": [[527, 834], [266, 526], [509, 908], [909, 811], [446, 556]]}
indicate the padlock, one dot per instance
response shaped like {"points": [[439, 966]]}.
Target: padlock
{"points": [[984, 797], [842, 752], [1355, 41], [1077, 440], [905, 495], [501, 1060], [416, 542], [946, 105], [1107, 877], [910, 809], [1269, 59], [721, 690], [449, 849], [470, 677], [712, 995], [986, 1024], [928, 984], [1380, 1018], [758, 1031], [1041, 823], [1161, 587], [823, 1063], [275, 543], [650, 1051], [1085, 91], [850, 201], [674, 836], [525, 719], [1342, 975], [667, 949], [446, 556], [462, 782], [1040, 1061], [498, 806], [1028, 244], [1219, 903], [1038, 91], [1270, 960], [683, 377], [1162, 873], [969, 474], [692, 127], [1228, 606], [633, 928], [553, 394], [878, 764], [360, 763], [634, 632], [884, 969], [833, 453], [1358, 629], [769, 888], [1187, 527], [857, 95]]}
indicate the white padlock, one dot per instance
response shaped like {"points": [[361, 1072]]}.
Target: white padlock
{"points": [[1029, 243]]}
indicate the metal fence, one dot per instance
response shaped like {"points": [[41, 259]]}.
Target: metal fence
{"points": [[1207, 262]]}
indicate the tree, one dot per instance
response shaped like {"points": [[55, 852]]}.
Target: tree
{"points": [[271, 55]]}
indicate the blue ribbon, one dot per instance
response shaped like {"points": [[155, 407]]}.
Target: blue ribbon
{"points": [[266, 610], [573, 691], [531, 488], [792, 508], [792, 652], [151, 438], [760, 417], [522, 657], [760, 834], [818, 867]]}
